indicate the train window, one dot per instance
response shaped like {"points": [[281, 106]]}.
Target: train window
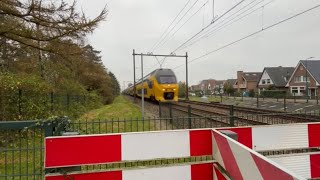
{"points": [[167, 80], [150, 84]]}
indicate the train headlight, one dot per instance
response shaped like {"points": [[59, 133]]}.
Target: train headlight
{"points": [[174, 89], [163, 89]]}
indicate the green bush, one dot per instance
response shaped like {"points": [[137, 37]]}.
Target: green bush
{"points": [[273, 93], [26, 97]]}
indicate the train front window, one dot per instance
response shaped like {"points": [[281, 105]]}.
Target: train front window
{"points": [[167, 80]]}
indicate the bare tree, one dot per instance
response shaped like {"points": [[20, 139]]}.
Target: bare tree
{"points": [[32, 21]]}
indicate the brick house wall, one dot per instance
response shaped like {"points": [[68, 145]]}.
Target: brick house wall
{"points": [[301, 71]]}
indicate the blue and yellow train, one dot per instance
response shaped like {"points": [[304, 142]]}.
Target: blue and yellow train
{"points": [[160, 85]]}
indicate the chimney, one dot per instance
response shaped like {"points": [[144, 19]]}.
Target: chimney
{"points": [[239, 77]]}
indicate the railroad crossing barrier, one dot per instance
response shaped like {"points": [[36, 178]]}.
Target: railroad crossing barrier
{"points": [[192, 171], [279, 137], [232, 159]]}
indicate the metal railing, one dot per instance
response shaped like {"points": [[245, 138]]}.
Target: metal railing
{"points": [[22, 142], [21, 104]]}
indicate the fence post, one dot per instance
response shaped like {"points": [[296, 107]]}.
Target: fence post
{"points": [[231, 115], [68, 101], [241, 96], [51, 101], [170, 112], [160, 114], [19, 102], [317, 99], [189, 117], [257, 100], [294, 97], [285, 103]]}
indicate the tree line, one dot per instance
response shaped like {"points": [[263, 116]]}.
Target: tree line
{"points": [[43, 49]]}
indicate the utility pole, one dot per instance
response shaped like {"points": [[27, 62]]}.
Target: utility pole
{"points": [[212, 10], [307, 88], [142, 90], [134, 76], [187, 87], [307, 91]]}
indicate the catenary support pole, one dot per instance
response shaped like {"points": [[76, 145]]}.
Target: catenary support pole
{"points": [[187, 87], [142, 89], [134, 75]]}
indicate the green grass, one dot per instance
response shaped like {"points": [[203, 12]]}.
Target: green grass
{"points": [[121, 116], [120, 108], [210, 98]]}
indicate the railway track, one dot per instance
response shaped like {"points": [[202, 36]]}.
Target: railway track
{"points": [[247, 113], [216, 116]]}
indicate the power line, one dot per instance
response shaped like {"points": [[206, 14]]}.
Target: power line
{"points": [[172, 35], [254, 33], [228, 23], [225, 13], [176, 24], [221, 22], [170, 24], [209, 25]]}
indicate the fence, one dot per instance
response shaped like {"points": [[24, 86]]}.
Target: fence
{"points": [[276, 97], [21, 142], [22, 104]]}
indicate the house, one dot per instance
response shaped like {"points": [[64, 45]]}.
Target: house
{"points": [[306, 75], [208, 85], [230, 86], [194, 88], [218, 88], [247, 81], [230, 83], [275, 78]]}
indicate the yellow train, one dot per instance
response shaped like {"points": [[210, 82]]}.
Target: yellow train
{"points": [[160, 85]]}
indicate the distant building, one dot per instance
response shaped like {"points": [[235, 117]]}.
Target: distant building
{"points": [[307, 71], [247, 81], [230, 86], [218, 89], [207, 85], [275, 78], [194, 88]]}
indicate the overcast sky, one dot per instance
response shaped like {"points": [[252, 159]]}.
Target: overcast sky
{"points": [[138, 24]]}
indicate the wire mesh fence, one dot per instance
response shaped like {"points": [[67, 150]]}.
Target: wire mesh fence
{"points": [[22, 142], [22, 104]]}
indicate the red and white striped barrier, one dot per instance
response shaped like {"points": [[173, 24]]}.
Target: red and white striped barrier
{"points": [[274, 137], [183, 172], [305, 165], [97, 149], [243, 163]]}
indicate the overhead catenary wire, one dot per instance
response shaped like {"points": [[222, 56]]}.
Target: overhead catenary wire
{"points": [[221, 23], [173, 34], [196, 34], [252, 34], [231, 21], [170, 24], [225, 13], [175, 25]]}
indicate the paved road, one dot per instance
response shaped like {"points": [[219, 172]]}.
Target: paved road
{"points": [[273, 104]]}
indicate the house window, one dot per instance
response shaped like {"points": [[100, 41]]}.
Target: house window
{"points": [[268, 81], [263, 81], [297, 79], [304, 78], [294, 90]]}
